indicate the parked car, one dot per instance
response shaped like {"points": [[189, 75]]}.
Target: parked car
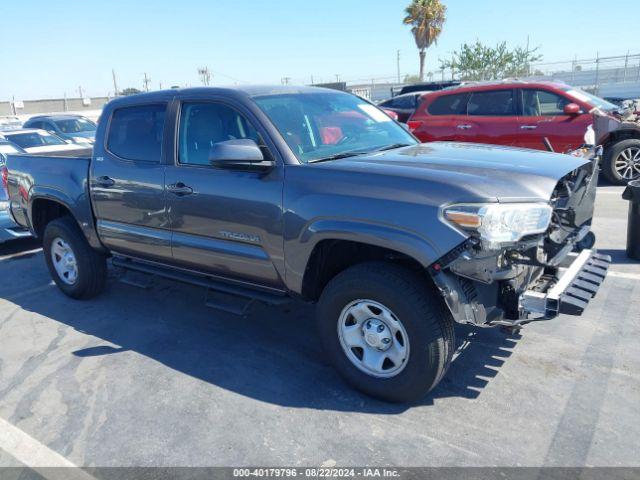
{"points": [[9, 122], [8, 228], [429, 86], [274, 192], [6, 147], [33, 140], [523, 114], [75, 128], [403, 105]]}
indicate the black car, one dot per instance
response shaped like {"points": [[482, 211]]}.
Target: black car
{"points": [[403, 105], [428, 86]]}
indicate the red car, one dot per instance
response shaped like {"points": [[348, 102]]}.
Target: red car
{"points": [[523, 114]]}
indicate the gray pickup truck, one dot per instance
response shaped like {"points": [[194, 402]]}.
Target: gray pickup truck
{"points": [[274, 192]]}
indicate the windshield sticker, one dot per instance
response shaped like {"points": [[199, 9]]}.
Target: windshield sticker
{"points": [[375, 113]]}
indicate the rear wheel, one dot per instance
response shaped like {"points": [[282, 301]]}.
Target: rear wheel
{"points": [[78, 270], [386, 331], [622, 161]]}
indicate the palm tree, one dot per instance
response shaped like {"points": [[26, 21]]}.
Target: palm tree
{"points": [[426, 18]]}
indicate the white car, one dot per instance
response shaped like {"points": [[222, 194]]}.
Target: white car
{"points": [[37, 141], [9, 122]]}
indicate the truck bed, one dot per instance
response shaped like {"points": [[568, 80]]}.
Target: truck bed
{"points": [[38, 175]]}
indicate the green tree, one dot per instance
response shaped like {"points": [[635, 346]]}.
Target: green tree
{"points": [[477, 61], [129, 91], [426, 18]]}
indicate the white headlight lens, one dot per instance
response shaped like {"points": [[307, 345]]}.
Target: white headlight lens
{"points": [[501, 222]]}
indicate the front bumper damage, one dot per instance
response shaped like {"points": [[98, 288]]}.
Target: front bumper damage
{"points": [[580, 277], [564, 289]]}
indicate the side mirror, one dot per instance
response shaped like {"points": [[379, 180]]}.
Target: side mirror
{"points": [[243, 154], [571, 109]]}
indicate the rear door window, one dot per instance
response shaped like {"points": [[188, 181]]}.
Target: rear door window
{"points": [[497, 103], [449, 104], [135, 133]]}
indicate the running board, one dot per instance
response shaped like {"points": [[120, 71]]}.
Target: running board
{"points": [[202, 281]]}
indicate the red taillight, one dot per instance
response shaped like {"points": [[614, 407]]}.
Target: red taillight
{"points": [[5, 178], [414, 125]]}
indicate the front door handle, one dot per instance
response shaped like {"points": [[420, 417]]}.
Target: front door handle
{"points": [[464, 127], [528, 127], [179, 189], [105, 181]]}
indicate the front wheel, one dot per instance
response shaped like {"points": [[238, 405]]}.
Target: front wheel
{"points": [[622, 161], [78, 270], [386, 330]]}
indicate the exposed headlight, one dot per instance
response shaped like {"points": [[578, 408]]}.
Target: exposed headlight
{"points": [[500, 222]]}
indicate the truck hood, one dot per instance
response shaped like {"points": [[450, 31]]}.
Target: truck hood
{"points": [[468, 171]]}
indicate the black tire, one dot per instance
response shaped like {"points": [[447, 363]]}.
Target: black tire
{"points": [[610, 156], [422, 312], [91, 265]]}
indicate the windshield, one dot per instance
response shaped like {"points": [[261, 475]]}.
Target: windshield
{"points": [[594, 101], [321, 126], [35, 139], [75, 125]]}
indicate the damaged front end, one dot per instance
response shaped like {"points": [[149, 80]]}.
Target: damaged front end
{"points": [[544, 269]]}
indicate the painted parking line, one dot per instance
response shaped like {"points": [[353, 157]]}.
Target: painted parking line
{"points": [[33, 454], [630, 276], [20, 254]]}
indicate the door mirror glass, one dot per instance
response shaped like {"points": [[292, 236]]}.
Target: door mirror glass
{"points": [[571, 109]]}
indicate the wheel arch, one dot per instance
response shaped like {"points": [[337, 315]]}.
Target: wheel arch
{"points": [[47, 204], [625, 133], [331, 247]]}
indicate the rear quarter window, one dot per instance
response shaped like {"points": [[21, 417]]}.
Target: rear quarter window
{"points": [[135, 133], [455, 104]]}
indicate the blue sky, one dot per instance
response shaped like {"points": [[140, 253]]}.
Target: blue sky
{"points": [[52, 47]]}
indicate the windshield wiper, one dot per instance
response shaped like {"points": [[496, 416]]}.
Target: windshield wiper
{"points": [[337, 156], [393, 146]]}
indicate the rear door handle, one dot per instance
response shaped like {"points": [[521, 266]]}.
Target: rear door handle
{"points": [[464, 127], [528, 127], [105, 181], [179, 189]]}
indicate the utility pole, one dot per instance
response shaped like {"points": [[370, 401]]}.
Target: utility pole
{"points": [[80, 92], [312, 80], [146, 82], [626, 64], [115, 84], [285, 80], [205, 75], [398, 64], [337, 77]]}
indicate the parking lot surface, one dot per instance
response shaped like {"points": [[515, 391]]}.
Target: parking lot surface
{"points": [[151, 376]]}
